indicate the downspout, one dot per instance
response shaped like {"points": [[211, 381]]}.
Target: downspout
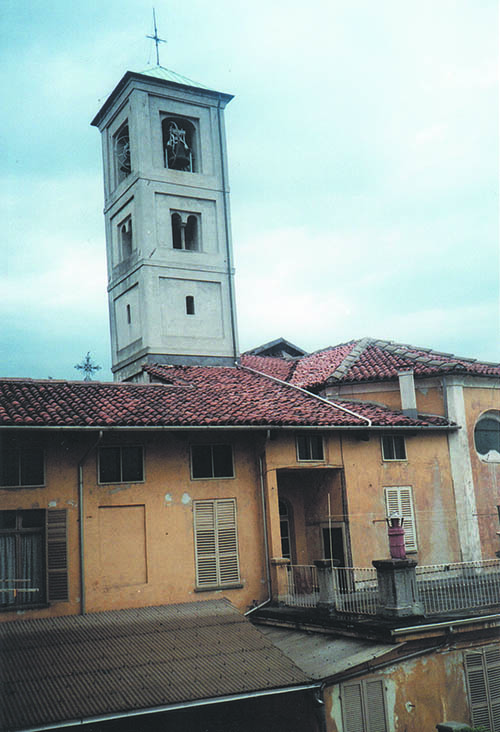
{"points": [[266, 544], [80, 519], [232, 302]]}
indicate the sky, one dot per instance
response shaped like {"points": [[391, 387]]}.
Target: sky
{"points": [[363, 164]]}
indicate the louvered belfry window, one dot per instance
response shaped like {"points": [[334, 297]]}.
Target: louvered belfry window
{"points": [[400, 500], [483, 682], [364, 706], [216, 543]]}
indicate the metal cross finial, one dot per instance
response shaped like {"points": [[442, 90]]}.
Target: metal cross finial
{"points": [[156, 39], [88, 367]]}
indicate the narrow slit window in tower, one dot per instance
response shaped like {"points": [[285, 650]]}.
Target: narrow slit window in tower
{"points": [[189, 305], [129, 315]]}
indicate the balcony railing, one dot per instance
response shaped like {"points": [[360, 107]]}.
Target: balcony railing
{"points": [[442, 588]]}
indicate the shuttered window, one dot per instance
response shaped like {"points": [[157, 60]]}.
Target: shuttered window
{"points": [[364, 706], [216, 543], [33, 557], [483, 683], [400, 500]]}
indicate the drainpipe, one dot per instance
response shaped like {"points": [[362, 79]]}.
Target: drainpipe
{"points": [[232, 303], [266, 544], [80, 518]]}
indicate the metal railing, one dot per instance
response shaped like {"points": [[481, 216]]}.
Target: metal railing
{"points": [[441, 588], [444, 588]]}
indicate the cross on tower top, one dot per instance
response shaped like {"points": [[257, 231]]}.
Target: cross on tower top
{"points": [[156, 39]]}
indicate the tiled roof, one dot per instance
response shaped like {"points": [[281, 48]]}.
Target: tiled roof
{"points": [[76, 667], [188, 396], [368, 359]]}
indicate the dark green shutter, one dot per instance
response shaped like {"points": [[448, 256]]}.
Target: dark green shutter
{"points": [[57, 555]]}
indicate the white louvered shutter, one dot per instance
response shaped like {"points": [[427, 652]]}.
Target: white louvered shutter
{"points": [[352, 708], [483, 681], [400, 500], [216, 542], [375, 706]]}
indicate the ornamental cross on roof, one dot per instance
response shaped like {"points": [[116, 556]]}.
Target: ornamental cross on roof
{"points": [[156, 39], [88, 367]]}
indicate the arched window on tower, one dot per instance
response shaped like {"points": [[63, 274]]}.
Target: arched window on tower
{"points": [[177, 231], [192, 233], [121, 144], [126, 237], [178, 144]]}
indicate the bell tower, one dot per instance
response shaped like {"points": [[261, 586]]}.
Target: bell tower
{"points": [[168, 238]]}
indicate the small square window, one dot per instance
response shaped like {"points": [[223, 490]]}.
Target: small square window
{"points": [[393, 447], [212, 461], [310, 447], [121, 464]]}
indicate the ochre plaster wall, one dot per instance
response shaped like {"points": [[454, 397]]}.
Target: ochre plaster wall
{"points": [[427, 471], [419, 693], [428, 394], [486, 476], [155, 562]]}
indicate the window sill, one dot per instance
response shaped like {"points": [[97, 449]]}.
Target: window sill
{"points": [[23, 608], [217, 588]]}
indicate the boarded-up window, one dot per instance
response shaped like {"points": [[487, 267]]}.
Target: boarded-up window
{"points": [[122, 534], [364, 706], [483, 683], [400, 500], [216, 543]]}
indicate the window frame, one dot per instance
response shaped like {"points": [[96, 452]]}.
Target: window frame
{"points": [[365, 713], [308, 437], [120, 448], [53, 558], [393, 439], [201, 534], [211, 446], [20, 450], [404, 494]]}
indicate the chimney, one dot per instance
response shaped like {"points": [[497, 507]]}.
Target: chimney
{"points": [[407, 392]]}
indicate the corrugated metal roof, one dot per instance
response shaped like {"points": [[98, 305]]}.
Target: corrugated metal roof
{"points": [[74, 667], [320, 655]]}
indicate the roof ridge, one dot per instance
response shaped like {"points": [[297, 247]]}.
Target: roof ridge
{"points": [[406, 350], [348, 361]]}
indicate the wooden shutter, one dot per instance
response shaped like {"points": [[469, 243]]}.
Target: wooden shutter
{"points": [[483, 682], [363, 706], [400, 500], [57, 555], [216, 542]]}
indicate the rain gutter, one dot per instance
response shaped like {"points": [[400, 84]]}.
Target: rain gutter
{"points": [[83, 608], [194, 427], [170, 707]]}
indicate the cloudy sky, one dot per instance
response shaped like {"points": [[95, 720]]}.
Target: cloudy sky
{"points": [[363, 154]]}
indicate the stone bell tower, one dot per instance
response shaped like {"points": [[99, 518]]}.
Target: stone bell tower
{"points": [[168, 238]]}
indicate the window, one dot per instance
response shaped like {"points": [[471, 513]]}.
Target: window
{"points": [[482, 668], [185, 231], [216, 543], [400, 500], [393, 447], [126, 237], [285, 528], [21, 466], [121, 143], [310, 447], [190, 305], [212, 461], [121, 464], [178, 144], [364, 706], [487, 436], [33, 557]]}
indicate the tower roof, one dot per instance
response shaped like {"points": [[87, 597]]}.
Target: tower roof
{"points": [[160, 72]]}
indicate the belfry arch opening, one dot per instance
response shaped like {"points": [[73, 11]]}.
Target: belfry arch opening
{"points": [[178, 144]]}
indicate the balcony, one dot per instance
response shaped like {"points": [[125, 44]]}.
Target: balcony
{"points": [[442, 589]]}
